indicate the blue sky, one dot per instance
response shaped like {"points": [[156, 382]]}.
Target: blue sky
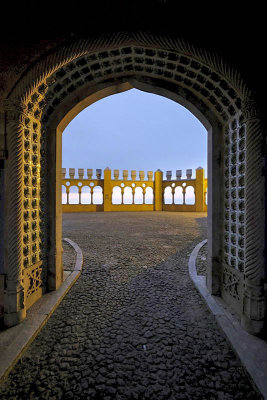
{"points": [[135, 130]]}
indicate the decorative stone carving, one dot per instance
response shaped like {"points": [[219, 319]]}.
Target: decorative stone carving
{"points": [[98, 173], [80, 173], [253, 301], [89, 173], [125, 174], [72, 173], [168, 175], [141, 175], [178, 174], [150, 175], [25, 210], [116, 174], [231, 284], [133, 175], [200, 78], [189, 173]]}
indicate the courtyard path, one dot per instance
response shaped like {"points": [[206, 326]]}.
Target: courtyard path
{"points": [[133, 326]]}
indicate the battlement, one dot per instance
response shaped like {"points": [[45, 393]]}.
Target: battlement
{"points": [[135, 191]]}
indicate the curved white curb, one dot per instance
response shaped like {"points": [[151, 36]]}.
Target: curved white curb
{"points": [[251, 350], [15, 341]]}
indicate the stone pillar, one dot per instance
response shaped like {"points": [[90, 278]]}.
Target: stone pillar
{"points": [[184, 192], [99, 173], [133, 175], [116, 174], [14, 294], [72, 173], [215, 209], [54, 206], [89, 173], [158, 190], [169, 175], [141, 175], [189, 174], [252, 318], [107, 195], [80, 173], [133, 194], [178, 174], [199, 189], [150, 176], [173, 193]]}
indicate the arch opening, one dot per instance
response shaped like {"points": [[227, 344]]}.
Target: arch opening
{"points": [[190, 77]]}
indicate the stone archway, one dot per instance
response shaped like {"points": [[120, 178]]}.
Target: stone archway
{"points": [[66, 81]]}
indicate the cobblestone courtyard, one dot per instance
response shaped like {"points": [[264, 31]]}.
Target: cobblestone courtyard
{"points": [[133, 326]]}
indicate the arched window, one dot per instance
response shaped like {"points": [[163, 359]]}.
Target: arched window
{"points": [[149, 196], [168, 195], [138, 196], [189, 195], [116, 195], [64, 194], [206, 197], [128, 195], [98, 195], [178, 195], [74, 195], [86, 195]]}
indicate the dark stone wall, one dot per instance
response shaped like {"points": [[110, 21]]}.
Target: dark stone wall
{"points": [[236, 34]]}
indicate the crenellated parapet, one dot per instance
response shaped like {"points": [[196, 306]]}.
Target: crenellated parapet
{"points": [[134, 190]]}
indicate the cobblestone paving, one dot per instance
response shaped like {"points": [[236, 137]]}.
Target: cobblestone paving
{"points": [[69, 256], [201, 262], [133, 326]]}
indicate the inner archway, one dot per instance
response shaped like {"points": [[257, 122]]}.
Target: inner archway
{"points": [[79, 76], [214, 138]]}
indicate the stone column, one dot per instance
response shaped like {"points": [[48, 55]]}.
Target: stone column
{"points": [[199, 189], [184, 192], [173, 193], [158, 190], [252, 318], [14, 295], [133, 193], [144, 195], [107, 195]]}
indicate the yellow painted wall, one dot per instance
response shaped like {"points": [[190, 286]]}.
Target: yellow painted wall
{"points": [[158, 185]]}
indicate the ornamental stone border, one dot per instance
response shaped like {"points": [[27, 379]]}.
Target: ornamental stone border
{"points": [[251, 350], [14, 341]]}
